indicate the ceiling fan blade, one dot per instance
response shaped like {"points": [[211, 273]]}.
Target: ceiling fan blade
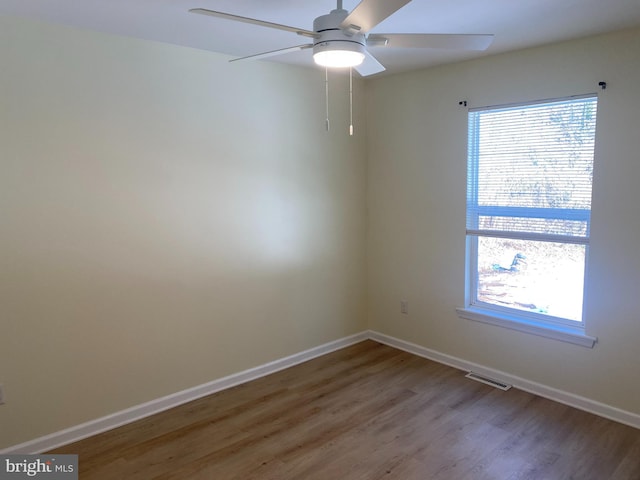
{"points": [[369, 13], [272, 53], [369, 66], [262, 23], [430, 40]]}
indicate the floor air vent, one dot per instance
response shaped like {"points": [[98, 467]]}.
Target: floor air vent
{"points": [[488, 381]]}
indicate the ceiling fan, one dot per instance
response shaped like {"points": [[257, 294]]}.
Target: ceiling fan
{"points": [[341, 38]]}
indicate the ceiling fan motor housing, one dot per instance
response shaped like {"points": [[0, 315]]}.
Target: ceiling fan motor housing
{"points": [[332, 37]]}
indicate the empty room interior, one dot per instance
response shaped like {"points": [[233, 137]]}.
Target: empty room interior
{"points": [[269, 269]]}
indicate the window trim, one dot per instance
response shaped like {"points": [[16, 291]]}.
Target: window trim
{"points": [[567, 330], [560, 332]]}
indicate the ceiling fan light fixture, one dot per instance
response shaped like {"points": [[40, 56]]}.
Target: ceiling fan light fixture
{"points": [[338, 54]]}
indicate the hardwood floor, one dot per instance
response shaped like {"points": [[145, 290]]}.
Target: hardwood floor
{"points": [[366, 412]]}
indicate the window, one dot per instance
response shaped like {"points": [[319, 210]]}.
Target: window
{"points": [[529, 177]]}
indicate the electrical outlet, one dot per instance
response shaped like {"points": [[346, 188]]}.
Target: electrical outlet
{"points": [[1, 394], [404, 307]]}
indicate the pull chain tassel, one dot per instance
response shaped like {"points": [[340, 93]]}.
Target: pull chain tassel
{"points": [[326, 96], [350, 101]]}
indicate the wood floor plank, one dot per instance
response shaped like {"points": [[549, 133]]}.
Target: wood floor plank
{"points": [[365, 412], [629, 467]]}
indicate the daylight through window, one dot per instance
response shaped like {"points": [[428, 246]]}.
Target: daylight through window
{"points": [[530, 171]]}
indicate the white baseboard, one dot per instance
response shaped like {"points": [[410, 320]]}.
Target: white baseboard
{"points": [[582, 403], [94, 427]]}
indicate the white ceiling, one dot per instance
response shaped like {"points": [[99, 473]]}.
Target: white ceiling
{"points": [[516, 23]]}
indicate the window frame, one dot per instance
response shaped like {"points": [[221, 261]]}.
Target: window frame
{"points": [[568, 330]]}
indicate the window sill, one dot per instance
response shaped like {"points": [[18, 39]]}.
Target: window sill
{"points": [[557, 332]]}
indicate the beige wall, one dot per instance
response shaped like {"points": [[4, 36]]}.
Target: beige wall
{"points": [[166, 219], [416, 189]]}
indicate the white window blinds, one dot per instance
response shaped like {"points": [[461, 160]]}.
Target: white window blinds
{"points": [[531, 169]]}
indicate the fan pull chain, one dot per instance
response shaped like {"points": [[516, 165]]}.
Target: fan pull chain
{"points": [[351, 101], [326, 95]]}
